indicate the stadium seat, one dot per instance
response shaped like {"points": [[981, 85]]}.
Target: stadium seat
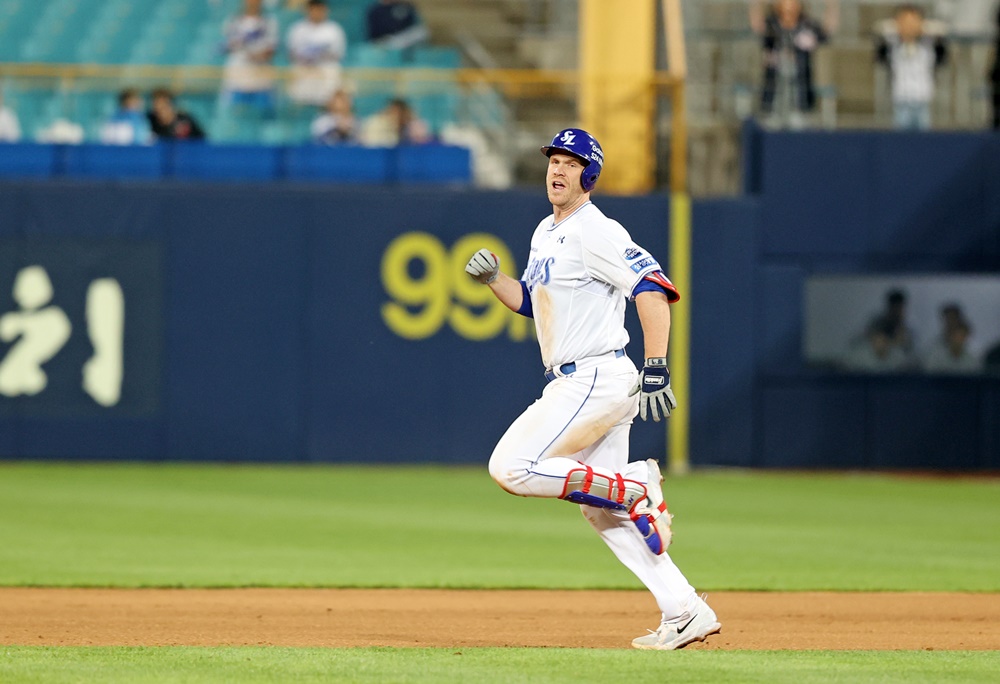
{"points": [[189, 32], [437, 58], [371, 56], [17, 18], [369, 103], [352, 20]]}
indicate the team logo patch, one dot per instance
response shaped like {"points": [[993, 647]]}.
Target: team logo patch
{"points": [[645, 263], [632, 253], [568, 137]]}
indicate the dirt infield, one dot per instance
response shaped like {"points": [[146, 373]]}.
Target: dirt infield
{"points": [[454, 619]]}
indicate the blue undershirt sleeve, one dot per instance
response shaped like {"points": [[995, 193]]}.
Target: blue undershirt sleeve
{"points": [[525, 309], [648, 286]]}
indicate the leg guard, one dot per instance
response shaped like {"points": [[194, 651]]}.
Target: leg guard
{"points": [[654, 525], [584, 486], [652, 518]]}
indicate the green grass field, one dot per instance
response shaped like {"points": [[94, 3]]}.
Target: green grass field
{"points": [[180, 525], [486, 666]]}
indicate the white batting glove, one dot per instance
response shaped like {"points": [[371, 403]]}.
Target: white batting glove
{"points": [[654, 383], [484, 266]]}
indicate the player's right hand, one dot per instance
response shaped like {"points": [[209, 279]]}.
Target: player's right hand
{"points": [[484, 266]]}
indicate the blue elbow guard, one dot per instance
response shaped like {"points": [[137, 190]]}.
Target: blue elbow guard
{"points": [[525, 309]]}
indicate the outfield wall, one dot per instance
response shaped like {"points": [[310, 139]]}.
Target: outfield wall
{"points": [[866, 203], [267, 322], [281, 322]]}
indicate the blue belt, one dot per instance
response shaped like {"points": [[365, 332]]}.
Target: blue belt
{"points": [[568, 368]]}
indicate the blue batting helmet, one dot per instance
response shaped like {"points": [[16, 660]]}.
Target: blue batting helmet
{"points": [[583, 146]]}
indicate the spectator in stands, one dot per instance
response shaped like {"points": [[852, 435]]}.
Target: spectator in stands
{"points": [[995, 77], [10, 127], [877, 352], [395, 24], [912, 56], [790, 37], [952, 317], [338, 124], [395, 125], [170, 123], [251, 40], [951, 354], [316, 46], [893, 322], [128, 125]]}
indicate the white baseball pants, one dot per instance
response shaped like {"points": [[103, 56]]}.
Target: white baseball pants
{"points": [[585, 418]]}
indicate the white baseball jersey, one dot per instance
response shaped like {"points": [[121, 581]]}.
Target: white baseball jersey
{"points": [[248, 39], [580, 273], [313, 44], [316, 50]]}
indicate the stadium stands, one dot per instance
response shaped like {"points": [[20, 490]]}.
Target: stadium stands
{"points": [[187, 33]]}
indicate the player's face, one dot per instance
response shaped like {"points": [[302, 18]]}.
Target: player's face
{"points": [[562, 180]]}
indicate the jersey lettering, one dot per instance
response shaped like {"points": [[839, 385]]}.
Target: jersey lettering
{"points": [[645, 263], [538, 272]]}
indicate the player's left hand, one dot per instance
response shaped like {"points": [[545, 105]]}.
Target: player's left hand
{"points": [[654, 383]]}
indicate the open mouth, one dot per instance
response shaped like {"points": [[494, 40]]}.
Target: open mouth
{"points": [[558, 185]]}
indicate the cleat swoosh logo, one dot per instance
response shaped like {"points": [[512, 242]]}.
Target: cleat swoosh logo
{"points": [[680, 630]]}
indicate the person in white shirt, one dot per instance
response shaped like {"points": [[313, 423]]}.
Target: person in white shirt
{"points": [[950, 353], [316, 46], [572, 443], [396, 124], [912, 57], [250, 42], [10, 127]]}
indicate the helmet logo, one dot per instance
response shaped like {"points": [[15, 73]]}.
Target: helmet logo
{"points": [[568, 137]]}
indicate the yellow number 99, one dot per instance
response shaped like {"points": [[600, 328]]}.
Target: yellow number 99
{"points": [[429, 294]]}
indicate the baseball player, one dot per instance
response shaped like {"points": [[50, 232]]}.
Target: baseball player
{"points": [[572, 443]]}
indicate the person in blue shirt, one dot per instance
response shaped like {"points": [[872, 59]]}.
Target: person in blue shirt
{"points": [[128, 125]]}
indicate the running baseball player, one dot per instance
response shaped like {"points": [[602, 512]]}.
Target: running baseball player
{"points": [[572, 443]]}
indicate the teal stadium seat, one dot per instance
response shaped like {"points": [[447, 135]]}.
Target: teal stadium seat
{"points": [[200, 105], [437, 58], [373, 57], [29, 105], [189, 32], [352, 20], [17, 17], [205, 48], [368, 104]]}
